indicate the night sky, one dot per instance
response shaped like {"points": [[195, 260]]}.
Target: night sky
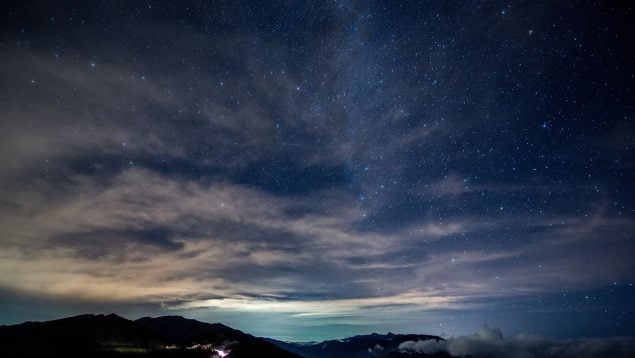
{"points": [[310, 170]]}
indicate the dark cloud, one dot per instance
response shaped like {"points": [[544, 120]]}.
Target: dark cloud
{"points": [[117, 243]]}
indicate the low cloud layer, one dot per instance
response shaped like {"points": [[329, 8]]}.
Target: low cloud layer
{"points": [[490, 342]]}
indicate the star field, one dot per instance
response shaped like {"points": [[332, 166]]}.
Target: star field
{"points": [[307, 170]]}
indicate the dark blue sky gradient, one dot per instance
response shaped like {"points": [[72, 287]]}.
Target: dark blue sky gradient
{"points": [[332, 167]]}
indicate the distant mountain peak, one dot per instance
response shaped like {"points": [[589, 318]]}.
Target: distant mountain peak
{"points": [[370, 345]]}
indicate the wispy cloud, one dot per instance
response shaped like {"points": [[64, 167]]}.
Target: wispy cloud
{"points": [[144, 236], [405, 301], [242, 172]]}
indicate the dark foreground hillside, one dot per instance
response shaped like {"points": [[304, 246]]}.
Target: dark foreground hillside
{"points": [[105, 336], [114, 336], [184, 332]]}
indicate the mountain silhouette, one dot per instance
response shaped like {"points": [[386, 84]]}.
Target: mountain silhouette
{"points": [[187, 332], [371, 345], [105, 336], [113, 336]]}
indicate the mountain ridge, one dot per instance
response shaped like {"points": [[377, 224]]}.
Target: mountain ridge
{"points": [[369, 345], [110, 335], [114, 336]]}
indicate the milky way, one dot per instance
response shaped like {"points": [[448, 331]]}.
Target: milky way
{"points": [[320, 169]]}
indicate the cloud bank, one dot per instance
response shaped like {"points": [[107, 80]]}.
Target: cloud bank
{"points": [[490, 342]]}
